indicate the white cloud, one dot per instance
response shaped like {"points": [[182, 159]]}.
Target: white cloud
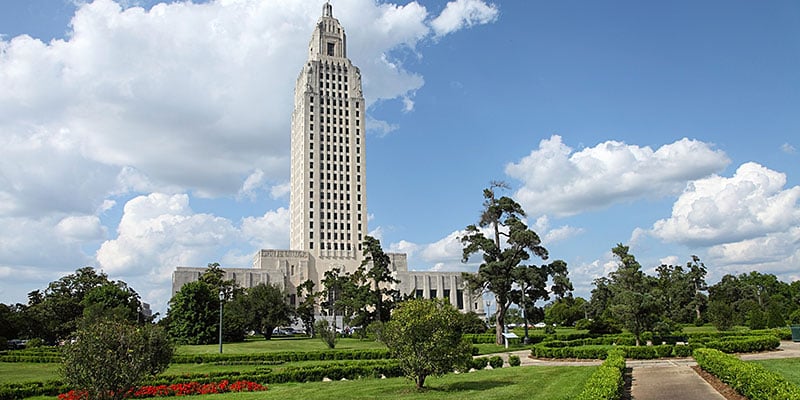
{"points": [[81, 228], [558, 180], [179, 99], [184, 96], [281, 190], [718, 210], [463, 13], [270, 231], [253, 182], [158, 232], [788, 148]]}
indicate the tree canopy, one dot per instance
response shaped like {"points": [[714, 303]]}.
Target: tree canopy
{"points": [[425, 336], [509, 244]]}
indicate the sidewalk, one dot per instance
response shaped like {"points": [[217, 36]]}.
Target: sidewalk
{"points": [[666, 378]]}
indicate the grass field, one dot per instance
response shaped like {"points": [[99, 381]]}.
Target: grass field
{"points": [[27, 372], [788, 367], [535, 383]]}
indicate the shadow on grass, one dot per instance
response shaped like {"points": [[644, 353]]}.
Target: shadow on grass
{"points": [[468, 386]]}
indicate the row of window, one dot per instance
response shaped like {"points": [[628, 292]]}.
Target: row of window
{"points": [[336, 76], [446, 295], [327, 102], [335, 246]]}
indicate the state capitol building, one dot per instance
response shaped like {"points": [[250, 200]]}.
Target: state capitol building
{"points": [[328, 203]]}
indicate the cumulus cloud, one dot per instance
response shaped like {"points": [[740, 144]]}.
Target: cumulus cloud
{"points": [[159, 232], [460, 13], [558, 180], [179, 100], [788, 148], [717, 210], [190, 95]]}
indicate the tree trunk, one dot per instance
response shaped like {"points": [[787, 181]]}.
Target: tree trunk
{"points": [[421, 382], [499, 324]]}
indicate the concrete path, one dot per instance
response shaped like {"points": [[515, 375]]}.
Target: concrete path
{"points": [[666, 378], [667, 382]]}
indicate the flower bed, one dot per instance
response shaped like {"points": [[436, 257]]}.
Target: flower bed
{"points": [[176, 389]]}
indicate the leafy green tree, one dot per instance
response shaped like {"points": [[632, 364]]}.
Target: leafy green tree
{"points": [[110, 357], [9, 322], [565, 311], [112, 300], [194, 314], [326, 332], [697, 277], [375, 273], [532, 287], [268, 309], [633, 304], [498, 271], [306, 307], [425, 336], [56, 311], [471, 322], [721, 314]]}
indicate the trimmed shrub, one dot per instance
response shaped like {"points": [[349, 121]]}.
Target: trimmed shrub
{"points": [[479, 338], [514, 360], [607, 382], [479, 362], [750, 380], [496, 361], [746, 344]]}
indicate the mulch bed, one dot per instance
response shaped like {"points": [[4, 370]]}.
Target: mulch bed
{"points": [[720, 386]]}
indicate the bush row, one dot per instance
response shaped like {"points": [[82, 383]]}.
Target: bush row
{"points": [[750, 380], [595, 349], [31, 358], [12, 391], [747, 344], [625, 340], [607, 382], [369, 354]]}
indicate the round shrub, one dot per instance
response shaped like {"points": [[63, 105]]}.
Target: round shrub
{"points": [[496, 362], [514, 360]]}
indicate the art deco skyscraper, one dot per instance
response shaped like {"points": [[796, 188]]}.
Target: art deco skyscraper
{"points": [[328, 204]]}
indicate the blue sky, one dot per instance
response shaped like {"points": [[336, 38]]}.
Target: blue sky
{"points": [[137, 136]]}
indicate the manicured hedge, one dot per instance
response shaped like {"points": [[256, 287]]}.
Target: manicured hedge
{"points": [[750, 380], [479, 338], [514, 360], [747, 344], [368, 354], [607, 382], [13, 391]]}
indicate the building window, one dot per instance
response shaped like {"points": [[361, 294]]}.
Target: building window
{"points": [[460, 299], [446, 295], [433, 293], [418, 294], [331, 46]]}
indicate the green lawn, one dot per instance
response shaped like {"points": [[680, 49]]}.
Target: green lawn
{"points": [[535, 383], [259, 345], [27, 372], [538, 383], [788, 367]]}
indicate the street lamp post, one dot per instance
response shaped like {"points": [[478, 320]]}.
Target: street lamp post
{"points": [[221, 298]]}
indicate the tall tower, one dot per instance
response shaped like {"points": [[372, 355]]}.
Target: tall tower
{"points": [[328, 204]]}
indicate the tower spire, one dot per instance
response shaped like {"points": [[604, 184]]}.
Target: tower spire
{"points": [[327, 10]]}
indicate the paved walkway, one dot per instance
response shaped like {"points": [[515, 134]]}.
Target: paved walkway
{"points": [[667, 378]]}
